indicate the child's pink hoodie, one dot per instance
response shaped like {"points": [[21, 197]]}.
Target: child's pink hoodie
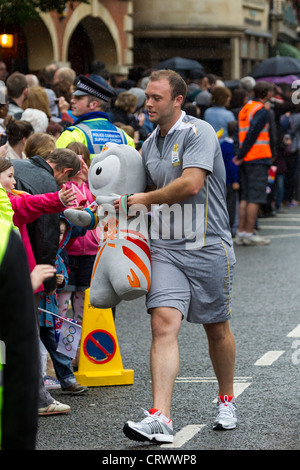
{"points": [[88, 244], [29, 207]]}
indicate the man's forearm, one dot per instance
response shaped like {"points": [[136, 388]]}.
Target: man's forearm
{"points": [[180, 189]]}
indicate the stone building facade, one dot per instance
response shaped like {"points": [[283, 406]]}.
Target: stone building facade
{"points": [[228, 37]]}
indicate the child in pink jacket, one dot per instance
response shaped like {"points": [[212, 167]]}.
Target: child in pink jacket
{"points": [[81, 250], [28, 207]]}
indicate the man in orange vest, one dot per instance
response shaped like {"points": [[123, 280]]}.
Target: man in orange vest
{"points": [[255, 156]]}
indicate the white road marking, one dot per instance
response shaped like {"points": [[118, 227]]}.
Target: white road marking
{"points": [[285, 235], [206, 379], [268, 358], [238, 387], [279, 227], [282, 218], [185, 434], [240, 383], [295, 333]]}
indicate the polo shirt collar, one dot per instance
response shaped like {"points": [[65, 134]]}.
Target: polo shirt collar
{"points": [[176, 125]]}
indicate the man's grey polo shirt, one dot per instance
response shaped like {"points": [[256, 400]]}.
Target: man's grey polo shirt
{"points": [[201, 220]]}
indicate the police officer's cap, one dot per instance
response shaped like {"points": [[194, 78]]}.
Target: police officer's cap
{"points": [[86, 86]]}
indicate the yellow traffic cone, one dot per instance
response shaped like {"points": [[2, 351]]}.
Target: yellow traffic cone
{"points": [[100, 360]]}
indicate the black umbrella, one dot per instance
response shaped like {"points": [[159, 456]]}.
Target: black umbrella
{"points": [[276, 67], [179, 64]]}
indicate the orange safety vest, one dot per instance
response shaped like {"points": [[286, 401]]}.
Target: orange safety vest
{"points": [[261, 148]]}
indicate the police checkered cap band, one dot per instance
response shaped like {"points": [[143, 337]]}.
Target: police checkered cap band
{"points": [[88, 86]]}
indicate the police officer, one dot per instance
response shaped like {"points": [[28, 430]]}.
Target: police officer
{"points": [[92, 127]]}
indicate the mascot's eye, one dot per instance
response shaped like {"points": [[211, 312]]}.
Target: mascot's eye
{"points": [[98, 171]]}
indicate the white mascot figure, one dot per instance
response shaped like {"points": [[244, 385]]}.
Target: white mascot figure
{"points": [[122, 268]]}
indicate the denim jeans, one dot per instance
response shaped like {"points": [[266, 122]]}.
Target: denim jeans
{"points": [[61, 363]]}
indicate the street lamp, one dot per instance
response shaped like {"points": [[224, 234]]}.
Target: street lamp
{"points": [[6, 40]]}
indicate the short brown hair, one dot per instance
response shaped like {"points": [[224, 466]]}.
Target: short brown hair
{"points": [[16, 84], [220, 95], [261, 89], [65, 158], [177, 84], [62, 88], [126, 101], [102, 105], [40, 144]]}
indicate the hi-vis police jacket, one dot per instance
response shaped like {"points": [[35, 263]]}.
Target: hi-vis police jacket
{"points": [[93, 130], [261, 148]]}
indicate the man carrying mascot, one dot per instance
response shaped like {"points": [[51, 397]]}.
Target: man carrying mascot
{"points": [[191, 276]]}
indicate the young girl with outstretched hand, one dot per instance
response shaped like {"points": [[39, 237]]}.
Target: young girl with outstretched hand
{"points": [[27, 207]]}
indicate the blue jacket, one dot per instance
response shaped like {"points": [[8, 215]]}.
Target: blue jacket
{"points": [[232, 170], [219, 117]]}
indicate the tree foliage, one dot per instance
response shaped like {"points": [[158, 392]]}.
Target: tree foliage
{"points": [[19, 12]]}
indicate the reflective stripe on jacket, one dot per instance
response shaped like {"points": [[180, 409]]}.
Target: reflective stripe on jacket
{"points": [[94, 134], [261, 148]]}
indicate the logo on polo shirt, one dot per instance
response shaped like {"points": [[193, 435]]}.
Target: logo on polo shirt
{"points": [[175, 156]]}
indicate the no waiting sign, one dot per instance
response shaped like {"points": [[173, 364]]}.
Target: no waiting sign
{"points": [[99, 346]]}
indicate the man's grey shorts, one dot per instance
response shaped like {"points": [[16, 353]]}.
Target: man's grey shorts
{"points": [[196, 282]]}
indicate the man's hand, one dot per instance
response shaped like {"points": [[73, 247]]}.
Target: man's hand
{"points": [[40, 273], [139, 200], [237, 161], [63, 105]]}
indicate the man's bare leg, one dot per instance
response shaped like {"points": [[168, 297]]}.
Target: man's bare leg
{"points": [[242, 216], [164, 358], [252, 212], [221, 344]]}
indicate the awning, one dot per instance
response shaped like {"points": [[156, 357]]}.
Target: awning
{"points": [[286, 50]]}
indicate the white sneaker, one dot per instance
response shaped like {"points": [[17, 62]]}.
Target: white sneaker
{"points": [[54, 408], [256, 240], [238, 240], [155, 428], [226, 418]]}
